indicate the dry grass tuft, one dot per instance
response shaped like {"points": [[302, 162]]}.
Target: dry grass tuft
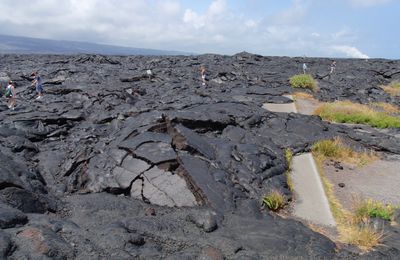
{"points": [[362, 236], [386, 107], [303, 95], [289, 158], [274, 200], [348, 112], [336, 150], [343, 107], [392, 89]]}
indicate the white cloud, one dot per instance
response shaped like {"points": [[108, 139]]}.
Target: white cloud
{"points": [[251, 23], [217, 7], [368, 3], [169, 7], [192, 18], [350, 51], [341, 34], [167, 24], [296, 13]]}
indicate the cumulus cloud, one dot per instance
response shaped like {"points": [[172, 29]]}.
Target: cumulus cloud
{"points": [[296, 13], [170, 25], [368, 3], [350, 51]]}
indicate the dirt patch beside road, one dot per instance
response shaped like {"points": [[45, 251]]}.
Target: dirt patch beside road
{"points": [[379, 181]]}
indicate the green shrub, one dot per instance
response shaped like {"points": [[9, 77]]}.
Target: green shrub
{"points": [[303, 81], [370, 208], [274, 200]]}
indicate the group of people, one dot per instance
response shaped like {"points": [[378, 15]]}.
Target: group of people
{"points": [[11, 94], [305, 70], [333, 67]]}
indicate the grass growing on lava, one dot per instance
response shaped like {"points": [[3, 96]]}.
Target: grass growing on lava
{"points": [[351, 227], [349, 112], [393, 88], [303, 81]]}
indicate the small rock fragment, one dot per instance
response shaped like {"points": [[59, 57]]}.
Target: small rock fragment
{"points": [[205, 220], [150, 212]]}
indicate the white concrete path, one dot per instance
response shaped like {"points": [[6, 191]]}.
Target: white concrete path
{"points": [[311, 203]]}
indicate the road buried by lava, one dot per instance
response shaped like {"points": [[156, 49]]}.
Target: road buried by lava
{"points": [[115, 163]]}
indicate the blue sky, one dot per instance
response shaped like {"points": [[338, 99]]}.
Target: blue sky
{"points": [[334, 28]]}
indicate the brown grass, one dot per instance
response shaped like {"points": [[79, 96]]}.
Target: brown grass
{"points": [[336, 149], [288, 173], [345, 107], [392, 89], [362, 236], [303, 95], [350, 229], [348, 112], [386, 107]]}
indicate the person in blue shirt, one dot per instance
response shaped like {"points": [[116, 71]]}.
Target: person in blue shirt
{"points": [[37, 82]]}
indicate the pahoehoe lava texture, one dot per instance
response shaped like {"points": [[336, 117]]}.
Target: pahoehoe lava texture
{"points": [[113, 164]]}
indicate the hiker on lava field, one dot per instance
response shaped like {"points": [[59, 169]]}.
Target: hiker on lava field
{"points": [[37, 82], [305, 68], [11, 95], [203, 75], [333, 67]]}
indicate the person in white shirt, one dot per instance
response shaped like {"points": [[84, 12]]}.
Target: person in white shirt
{"points": [[333, 67], [305, 68], [203, 75]]}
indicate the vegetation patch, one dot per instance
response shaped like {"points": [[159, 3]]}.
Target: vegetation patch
{"points": [[352, 230], [274, 200], [289, 158], [393, 88], [348, 112], [365, 209], [335, 149], [303, 81], [386, 107], [303, 95], [362, 236]]}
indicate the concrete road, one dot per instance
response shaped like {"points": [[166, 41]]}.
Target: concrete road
{"points": [[311, 203]]}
